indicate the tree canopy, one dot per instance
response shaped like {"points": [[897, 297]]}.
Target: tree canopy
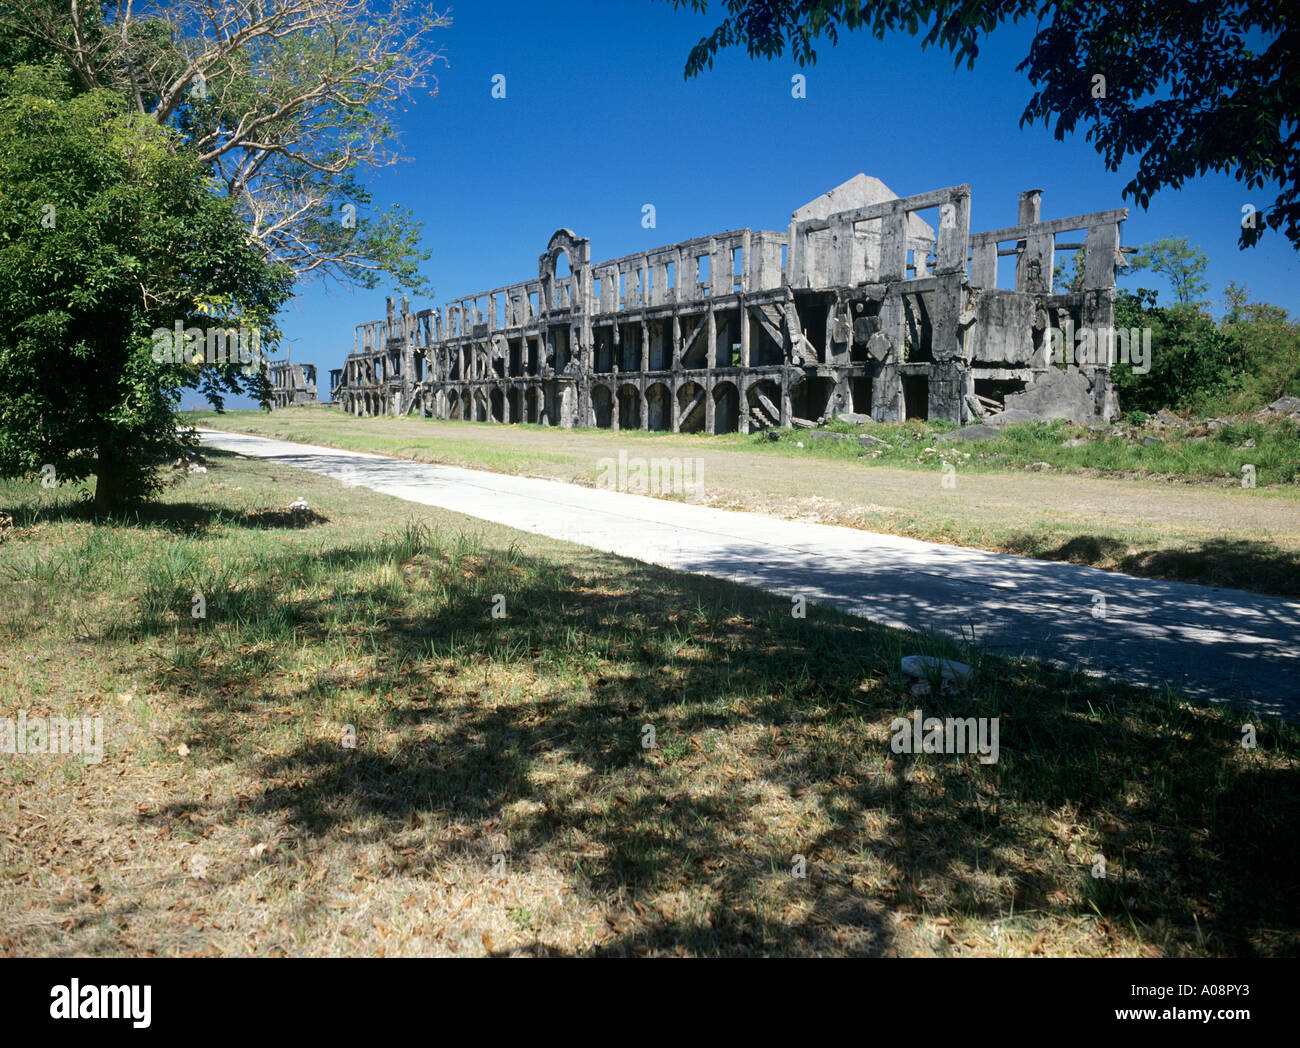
{"points": [[1186, 87], [168, 171], [108, 234], [1176, 259], [287, 102]]}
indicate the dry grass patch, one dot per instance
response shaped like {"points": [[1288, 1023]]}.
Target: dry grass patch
{"points": [[350, 754]]}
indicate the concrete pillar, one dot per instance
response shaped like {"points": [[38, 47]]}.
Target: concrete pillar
{"points": [[567, 407], [845, 393], [1030, 211], [711, 347], [893, 247]]}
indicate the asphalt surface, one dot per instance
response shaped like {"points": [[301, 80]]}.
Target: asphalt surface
{"points": [[1212, 644]]}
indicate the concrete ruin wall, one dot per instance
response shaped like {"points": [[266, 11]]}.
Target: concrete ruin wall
{"points": [[868, 303], [292, 385]]}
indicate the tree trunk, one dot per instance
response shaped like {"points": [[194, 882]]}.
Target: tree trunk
{"points": [[108, 480]]}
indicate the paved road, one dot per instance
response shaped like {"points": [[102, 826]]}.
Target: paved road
{"points": [[1214, 644]]}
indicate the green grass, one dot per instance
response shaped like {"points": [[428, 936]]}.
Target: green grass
{"points": [[1193, 453], [522, 739]]}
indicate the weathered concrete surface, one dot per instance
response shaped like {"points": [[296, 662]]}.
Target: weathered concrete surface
{"points": [[859, 306], [860, 191], [1218, 645], [292, 385], [1058, 393], [1004, 327]]}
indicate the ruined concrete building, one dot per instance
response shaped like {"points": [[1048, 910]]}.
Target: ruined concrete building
{"points": [[868, 303], [292, 385]]}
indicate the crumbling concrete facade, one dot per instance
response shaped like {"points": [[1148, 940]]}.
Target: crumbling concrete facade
{"points": [[292, 385], [868, 303]]}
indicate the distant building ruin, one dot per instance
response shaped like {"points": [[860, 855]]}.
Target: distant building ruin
{"points": [[868, 303], [292, 385]]}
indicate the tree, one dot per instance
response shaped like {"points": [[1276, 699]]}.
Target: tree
{"points": [[1183, 264], [286, 101], [1249, 359], [1189, 87], [211, 154], [1269, 341], [1077, 266], [1235, 300], [1193, 365], [109, 234]]}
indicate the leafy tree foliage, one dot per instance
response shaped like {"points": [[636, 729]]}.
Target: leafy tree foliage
{"points": [[287, 102], [107, 233], [1075, 281], [1267, 342], [1189, 359], [1248, 359], [181, 162], [1182, 263], [1188, 87]]}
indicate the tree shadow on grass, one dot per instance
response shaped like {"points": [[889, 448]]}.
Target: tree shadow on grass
{"points": [[1245, 564], [772, 742], [180, 516]]}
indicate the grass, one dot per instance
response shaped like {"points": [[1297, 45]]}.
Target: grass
{"points": [[1193, 453], [1138, 514], [349, 754]]}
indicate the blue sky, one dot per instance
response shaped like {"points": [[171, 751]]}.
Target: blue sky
{"points": [[597, 121]]}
